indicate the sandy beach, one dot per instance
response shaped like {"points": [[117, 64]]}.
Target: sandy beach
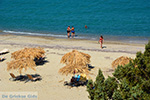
{"points": [[51, 86]]}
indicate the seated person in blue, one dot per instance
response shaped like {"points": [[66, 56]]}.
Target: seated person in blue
{"points": [[77, 77]]}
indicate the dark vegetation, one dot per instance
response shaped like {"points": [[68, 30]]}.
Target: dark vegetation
{"points": [[129, 82]]}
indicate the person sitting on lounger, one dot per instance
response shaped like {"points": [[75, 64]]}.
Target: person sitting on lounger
{"points": [[83, 77], [77, 77]]}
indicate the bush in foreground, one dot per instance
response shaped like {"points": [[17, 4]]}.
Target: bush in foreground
{"points": [[131, 82]]}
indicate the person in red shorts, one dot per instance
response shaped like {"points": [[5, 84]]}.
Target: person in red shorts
{"points": [[101, 40]]}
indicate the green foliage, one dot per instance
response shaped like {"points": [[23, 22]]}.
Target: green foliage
{"points": [[110, 86], [99, 93], [90, 89], [100, 78], [117, 95], [129, 82]]}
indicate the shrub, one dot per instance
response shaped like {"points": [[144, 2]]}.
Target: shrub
{"points": [[131, 82]]}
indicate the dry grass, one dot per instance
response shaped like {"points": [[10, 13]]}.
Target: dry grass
{"points": [[120, 61]]}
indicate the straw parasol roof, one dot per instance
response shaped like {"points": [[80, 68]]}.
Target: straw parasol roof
{"points": [[73, 69], [24, 59], [30, 53], [21, 64], [76, 62], [76, 58], [120, 61]]}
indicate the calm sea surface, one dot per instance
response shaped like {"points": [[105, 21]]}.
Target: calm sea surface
{"points": [[127, 20]]}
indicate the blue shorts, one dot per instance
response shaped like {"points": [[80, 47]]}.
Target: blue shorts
{"points": [[73, 31]]}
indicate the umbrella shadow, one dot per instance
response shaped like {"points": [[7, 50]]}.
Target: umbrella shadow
{"points": [[90, 67], [40, 61]]}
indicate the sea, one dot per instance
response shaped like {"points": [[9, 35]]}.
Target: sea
{"points": [[116, 20]]}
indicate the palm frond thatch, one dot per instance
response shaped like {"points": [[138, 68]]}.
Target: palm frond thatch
{"points": [[120, 61], [76, 62], [24, 59], [21, 64], [76, 58], [71, 69], [29, 53]]}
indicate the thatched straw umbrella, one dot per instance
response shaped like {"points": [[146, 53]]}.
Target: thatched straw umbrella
{"points": [[24, 59], [75, 62], [30, 53], [120, 61], [21, 64], [73, 69], [76, 58]]}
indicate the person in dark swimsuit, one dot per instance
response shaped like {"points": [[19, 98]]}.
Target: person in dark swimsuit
{"points": [[68, 31]]}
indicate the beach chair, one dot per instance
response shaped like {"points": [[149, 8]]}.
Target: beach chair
{"points": [[13, 76], [2, 58], [17, 78], [4, 51], [30, 78]]}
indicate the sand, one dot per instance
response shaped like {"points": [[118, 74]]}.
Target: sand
{"points": [[51, 86]]}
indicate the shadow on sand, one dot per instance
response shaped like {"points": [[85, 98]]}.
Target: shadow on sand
{"points": [[40, 61], [25, 78], [90, 67]]}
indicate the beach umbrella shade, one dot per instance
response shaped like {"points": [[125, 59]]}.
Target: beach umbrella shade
{"points": [[75, 58], [29, 53], [21, 64], [74, 69], [76, 62], [121, 61]]}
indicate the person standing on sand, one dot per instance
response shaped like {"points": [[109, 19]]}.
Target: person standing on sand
{"points": [[101, 40], [68, 31], [73, 32]]}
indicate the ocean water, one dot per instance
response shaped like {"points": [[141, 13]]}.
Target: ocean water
{"points": [[127, 20]]}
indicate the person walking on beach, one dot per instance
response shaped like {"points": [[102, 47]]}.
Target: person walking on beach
{"points": [[101, 40], [73, 32], [68, 31]]}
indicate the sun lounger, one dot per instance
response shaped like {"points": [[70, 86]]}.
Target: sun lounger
{"points": [[4, 51], [30, 78], [17, 78], [2, 58], [12, 75]]}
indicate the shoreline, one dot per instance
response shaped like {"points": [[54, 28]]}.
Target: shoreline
{"points": [[61, 43], [108, 38]]}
